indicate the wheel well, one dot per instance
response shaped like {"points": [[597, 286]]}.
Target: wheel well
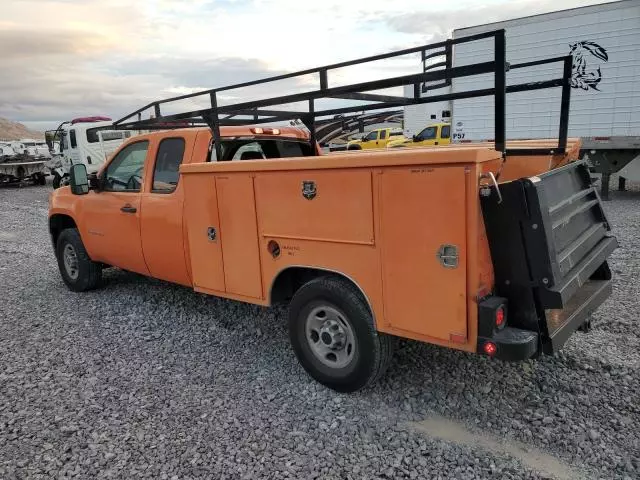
{"points": [[58, 223], [289, 280]]}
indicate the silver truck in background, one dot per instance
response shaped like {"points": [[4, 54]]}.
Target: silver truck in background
{"points": [[605, 96]]}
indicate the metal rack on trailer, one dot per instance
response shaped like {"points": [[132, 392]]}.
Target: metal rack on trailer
{"points": [[261, 111]]}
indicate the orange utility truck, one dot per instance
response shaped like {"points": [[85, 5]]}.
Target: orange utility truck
{"points": [[498, 249]]}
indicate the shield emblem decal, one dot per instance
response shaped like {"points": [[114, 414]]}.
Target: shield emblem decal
{"points": [[309, 190]]}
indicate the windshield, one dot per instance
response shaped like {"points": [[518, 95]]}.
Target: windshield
{"points": [[107, 134]]}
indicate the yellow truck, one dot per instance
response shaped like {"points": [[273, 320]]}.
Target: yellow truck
{"points": [[434, 134], [378, 138]]}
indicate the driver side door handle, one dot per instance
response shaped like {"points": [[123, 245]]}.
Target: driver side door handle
{"points": [[128, 209]]}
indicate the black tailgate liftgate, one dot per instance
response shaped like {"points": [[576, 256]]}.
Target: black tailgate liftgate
{"points": [[549, 240]]}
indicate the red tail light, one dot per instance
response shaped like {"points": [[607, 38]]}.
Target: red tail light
{"points": [[490, 348], [500, 317]]}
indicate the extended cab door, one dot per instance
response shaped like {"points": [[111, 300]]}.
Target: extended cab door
{"points": [[111, 217], [162, 207]]}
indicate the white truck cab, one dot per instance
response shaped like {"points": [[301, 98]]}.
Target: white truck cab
{"points": [[86, 140]]}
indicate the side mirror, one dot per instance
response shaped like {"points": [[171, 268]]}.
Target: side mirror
{"points": [[415, 138], [78, 179], [364, 138]]}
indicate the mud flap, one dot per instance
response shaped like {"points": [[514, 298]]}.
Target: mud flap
{"points": [[549, 240]]}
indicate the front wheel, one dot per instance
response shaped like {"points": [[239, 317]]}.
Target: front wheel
{"points": [[78, 271], [333, 335]]}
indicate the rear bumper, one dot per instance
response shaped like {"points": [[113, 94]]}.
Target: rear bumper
{"points": [[512, 344], [515, 344]]}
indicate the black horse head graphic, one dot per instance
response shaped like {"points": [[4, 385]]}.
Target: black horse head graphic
{"points": [[586, 72]]}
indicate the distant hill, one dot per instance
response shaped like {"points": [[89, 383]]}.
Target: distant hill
{"points": [[15, 131]]}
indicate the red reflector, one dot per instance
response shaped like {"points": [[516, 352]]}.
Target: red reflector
{"points": [[602, 139], [490, 348], [457, 338], [499, 317]]}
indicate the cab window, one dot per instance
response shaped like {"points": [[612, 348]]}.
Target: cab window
{"points": [[72, 138], [371, 136], [383, 134], [428, 133], [124, 173], [249, 151], [166, 170], [446, 131]]}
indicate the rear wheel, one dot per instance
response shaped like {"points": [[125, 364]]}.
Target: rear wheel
{"points": [[333, 335], [78, 271], [56, 180]]}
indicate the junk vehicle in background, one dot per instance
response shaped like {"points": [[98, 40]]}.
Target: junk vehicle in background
{"points": [[86, 140], [496, 248], [23, 160], [604, 41], [376, 138]]}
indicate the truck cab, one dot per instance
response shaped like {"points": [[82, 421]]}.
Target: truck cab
{"points": [[132, 218], [434, 134], [378, 138], [86, 140]]}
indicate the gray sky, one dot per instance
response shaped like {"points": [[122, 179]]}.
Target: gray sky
{"points": [[66, 58]]}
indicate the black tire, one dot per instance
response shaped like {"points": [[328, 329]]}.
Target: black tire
{"points": [[354, 147], [373, 350], [56, 181], [41, 179], [88, 273]]}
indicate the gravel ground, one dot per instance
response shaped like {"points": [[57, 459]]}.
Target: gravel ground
{"points": [[143, 379]]}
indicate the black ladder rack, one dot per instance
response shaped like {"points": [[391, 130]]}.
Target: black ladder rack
{"points": [[266, 110]]}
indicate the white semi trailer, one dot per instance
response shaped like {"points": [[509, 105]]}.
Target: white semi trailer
{"points": [[604, 40]]}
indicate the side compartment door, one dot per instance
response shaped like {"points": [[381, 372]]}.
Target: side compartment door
{"points": [[239, 232], [203, 231], [423, 229]]}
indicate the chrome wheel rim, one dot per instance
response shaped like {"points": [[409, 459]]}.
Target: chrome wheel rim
{"points": [[70, 259], [330, 336]]}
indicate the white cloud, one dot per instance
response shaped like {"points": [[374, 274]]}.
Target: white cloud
{"points": [[63, 58]]}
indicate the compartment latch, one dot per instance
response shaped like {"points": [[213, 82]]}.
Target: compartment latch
{"points": [[448, 255]]}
